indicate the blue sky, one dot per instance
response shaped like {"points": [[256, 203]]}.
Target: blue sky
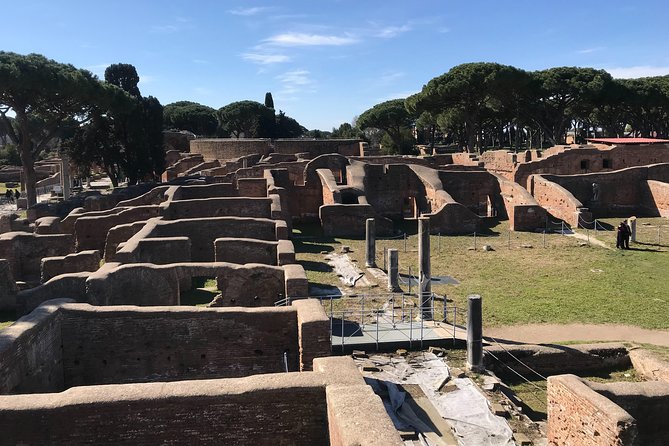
{"points": [[327, 61]]}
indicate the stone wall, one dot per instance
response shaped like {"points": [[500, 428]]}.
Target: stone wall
{"points": [[217, 207], [31, 358], [71, 263], [91, 231], [308, 408], [202, 232], [120, 234], [581, 160], [246, 250], [105, 345], [223, 149], [583, 412], [146, 284], [25, 251], [657, 197], [7, 287]]}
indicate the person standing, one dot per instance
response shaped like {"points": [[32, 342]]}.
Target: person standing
{"points": [[8, 196], [628, 234], [620, 235]]}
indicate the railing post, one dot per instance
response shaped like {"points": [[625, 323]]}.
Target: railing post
{"points": [[405, 242]]}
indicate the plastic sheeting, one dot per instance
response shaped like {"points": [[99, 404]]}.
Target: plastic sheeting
{"points": [[466, 408]]}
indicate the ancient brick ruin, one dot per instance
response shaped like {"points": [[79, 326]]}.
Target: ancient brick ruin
{"points": [[100, 287]]}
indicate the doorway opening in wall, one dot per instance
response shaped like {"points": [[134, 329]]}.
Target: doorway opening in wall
{"points": [[410, 208], [607, 163], [202, 291], [585, 164]]}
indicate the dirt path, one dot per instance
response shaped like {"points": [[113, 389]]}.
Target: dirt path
{"points": [[545, 333]]}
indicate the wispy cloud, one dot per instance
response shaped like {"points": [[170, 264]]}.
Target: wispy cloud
{"points": [[145, 79], [390, 77], [165, 29], [248, 11], [265, 59], [305, 39], [296, 81], [98, 69], [392, 31], [590, 50], [398, 95], [637, 71]]}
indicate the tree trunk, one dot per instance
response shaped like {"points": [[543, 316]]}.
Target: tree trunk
{"points": [[29, 179], [471, 137]]}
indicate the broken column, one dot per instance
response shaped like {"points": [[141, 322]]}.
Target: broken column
{"points": [[424, 274], [631, 222], [370, 237], [393, 271], [474, 333]]}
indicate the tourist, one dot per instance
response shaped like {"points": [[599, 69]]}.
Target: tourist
{"points": [[628, 234], [17, 195], [8, 196], [621, 234]]}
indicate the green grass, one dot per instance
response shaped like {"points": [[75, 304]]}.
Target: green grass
{"points": [[7, 318], [561, 283]]}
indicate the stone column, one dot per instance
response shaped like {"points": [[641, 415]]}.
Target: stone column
{"points": [[632, 224], [65, 174], [424, 274], [474, 334], [370, 237], [393, 271]]}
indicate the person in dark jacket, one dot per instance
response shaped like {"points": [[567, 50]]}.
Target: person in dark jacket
{"points": [[621, 235]]}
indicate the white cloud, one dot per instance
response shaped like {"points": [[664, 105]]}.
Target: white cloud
{"points": [[637, 71], [304, 39], [296, 81], [590, 50], [248, 11], [265, 59], [392, 31]]}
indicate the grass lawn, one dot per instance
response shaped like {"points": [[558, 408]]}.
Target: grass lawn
{"points": [[201, 293], [563, 282]]}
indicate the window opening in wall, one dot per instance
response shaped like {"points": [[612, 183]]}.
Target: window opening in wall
{"points": [[585, 164], [607, 163]]}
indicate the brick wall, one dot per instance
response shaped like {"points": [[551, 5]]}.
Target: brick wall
{"points": [[218, 207], [91, 232], [273, 410], [25, 251], [31, 355], [577, 416], [122, 345], [71, 263]]}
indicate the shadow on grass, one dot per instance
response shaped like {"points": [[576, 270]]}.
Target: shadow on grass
{"points": [[310, 265], [315, 247], [197, 297]]}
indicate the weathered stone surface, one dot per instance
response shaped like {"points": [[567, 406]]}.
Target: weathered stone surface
{"points": [[25, 251], [71, 263]]}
